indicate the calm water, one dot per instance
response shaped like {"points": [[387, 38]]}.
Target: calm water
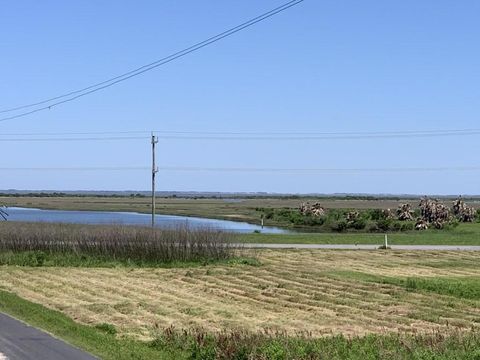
{"points": [[127, 218]]}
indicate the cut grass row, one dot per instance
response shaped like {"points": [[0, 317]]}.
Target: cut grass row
{"points": [[101, 341]]}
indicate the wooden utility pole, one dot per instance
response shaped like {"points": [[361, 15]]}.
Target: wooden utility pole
{"points": [[154, 171]]}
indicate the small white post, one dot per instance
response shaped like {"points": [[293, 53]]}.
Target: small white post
{"points": [[262, 222], [386, 241]]}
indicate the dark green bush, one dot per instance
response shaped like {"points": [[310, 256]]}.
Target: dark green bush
{"points": [[396, 226], [452, 224], [372, 226], [107, 328], [408, 226], [384, 224], [375, 214], [358, 224], [338, 226]]}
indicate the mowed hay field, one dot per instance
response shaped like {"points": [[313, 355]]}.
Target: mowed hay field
{"points": [[314, 291]]}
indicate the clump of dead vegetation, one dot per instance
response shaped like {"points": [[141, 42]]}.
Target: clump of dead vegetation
{"points": [[314, 209], [463, 212]]}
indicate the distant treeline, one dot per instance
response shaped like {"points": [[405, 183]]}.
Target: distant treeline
{"points": [[188, 195], [61, 194]]}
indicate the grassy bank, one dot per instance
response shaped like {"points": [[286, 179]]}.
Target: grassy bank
{"points": [[464, 234], [88, 338], [101, 340]]}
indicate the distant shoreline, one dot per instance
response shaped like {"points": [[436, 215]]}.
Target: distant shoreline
{"points": [[222, 195]]}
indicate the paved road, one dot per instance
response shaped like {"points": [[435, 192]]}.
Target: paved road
{"points": [[362, 247], [19, 341]]}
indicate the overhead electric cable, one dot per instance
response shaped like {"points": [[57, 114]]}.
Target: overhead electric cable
{"points": [[110, 82], [312, 137], [79, 168], [320, 170], [228, 135], [253, 169], [105, 138]]}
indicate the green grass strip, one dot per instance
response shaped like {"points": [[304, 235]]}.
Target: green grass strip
{"points": [[465, 234], [460, 287], [95, 341], [69, 259]]}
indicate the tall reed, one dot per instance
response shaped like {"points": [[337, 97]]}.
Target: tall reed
{"points": [[118, 242]]}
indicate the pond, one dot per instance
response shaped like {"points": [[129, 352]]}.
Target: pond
{"points": [[131, 218]]}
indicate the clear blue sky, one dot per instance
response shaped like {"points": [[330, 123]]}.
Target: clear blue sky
{"points": [[320, 66]]}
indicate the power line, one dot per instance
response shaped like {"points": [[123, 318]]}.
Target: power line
{"points": [[399, 132], [247, 136], [115, 80], [293, 138], [90, 168], [237, 138], [105, 138], [253, 169], [319, 170], [77, 133]]}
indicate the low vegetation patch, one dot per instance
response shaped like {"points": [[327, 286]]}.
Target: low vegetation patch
{"points": [[460, 287], [201, 345], [429, 214], [41, 244]]}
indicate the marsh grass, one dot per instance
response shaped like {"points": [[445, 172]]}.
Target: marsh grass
{"points": [[199, 344], [38, 243]]}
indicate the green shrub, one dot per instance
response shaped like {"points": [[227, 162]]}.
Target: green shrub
{"points": [[452, 224], [338, 226], [375, 214], [372, 227], [407, 226], [358, 224], [107, 328], [396, 226], [384, 224]]}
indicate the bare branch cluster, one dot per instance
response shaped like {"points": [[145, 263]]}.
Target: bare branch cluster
{"points": [[314, 209]]}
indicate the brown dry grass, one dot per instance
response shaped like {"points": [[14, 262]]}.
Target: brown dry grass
{"points": [[292, 291]]}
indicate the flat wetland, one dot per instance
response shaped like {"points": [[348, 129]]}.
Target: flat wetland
{"points": [[238, 210], [245, 210]]}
